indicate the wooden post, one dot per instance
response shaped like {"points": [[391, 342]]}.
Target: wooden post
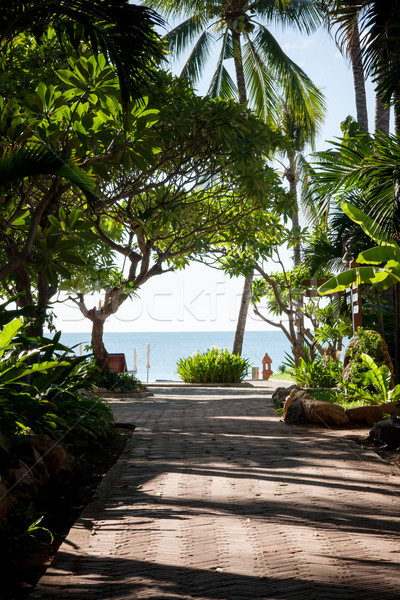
{"points": [[355, 302]]}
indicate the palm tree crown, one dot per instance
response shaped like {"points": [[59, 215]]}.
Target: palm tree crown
{"points": [[263, 71]]}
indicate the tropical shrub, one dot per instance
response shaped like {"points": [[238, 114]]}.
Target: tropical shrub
{"points": [[318, 373], [42, 391], [368, 343], [213, 366], [373, 385], [122, 381]]}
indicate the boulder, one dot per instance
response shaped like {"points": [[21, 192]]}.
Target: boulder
{"points": [[281, 393], [22, 482], [384, 351], [295, 393], [372, 413], [52, 453], [6, 501], [300, 407], [365, 414], [324, 413], [293, 411], [386, 431]]}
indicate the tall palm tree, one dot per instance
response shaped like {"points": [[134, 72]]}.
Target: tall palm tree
{"points": [[263, 72], [348, 41], [379, 24], [123, 32]]}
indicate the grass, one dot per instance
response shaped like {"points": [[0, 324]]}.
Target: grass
{"points": [[283, 377]]}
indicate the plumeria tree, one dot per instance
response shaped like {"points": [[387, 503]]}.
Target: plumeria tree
{"points": [[262, 71]]}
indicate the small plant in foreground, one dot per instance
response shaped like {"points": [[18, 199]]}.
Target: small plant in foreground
{"points": [[213, 366]]}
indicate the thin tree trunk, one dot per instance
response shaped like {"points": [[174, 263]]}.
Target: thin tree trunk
{"points": [[244, 305], [382, 115], [238, 60], [359, 81], [244, 308], [291, 176]]}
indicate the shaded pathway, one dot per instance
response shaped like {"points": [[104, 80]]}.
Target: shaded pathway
{"points": [[215, 498]]}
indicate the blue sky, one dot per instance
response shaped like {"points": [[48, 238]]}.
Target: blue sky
{"points": [[203, 299]]}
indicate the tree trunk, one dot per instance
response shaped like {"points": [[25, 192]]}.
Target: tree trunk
{"points": [[359, 81], [382, 115], [99, 350], [244, 305], [291, 176], [238, 60]]}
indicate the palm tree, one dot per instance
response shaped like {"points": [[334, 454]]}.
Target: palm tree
{"points": [[123, 32], [348, 41], [379, 24], [263, 72]]}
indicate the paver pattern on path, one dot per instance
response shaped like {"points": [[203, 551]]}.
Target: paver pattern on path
{"points": [[215, 498]]}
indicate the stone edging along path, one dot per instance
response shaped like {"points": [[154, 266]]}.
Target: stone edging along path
{"points": [[215, 498]]}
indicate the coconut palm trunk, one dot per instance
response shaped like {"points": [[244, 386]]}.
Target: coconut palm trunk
{"points": [[359, 80], [246, 294], [291, 176], [382, 115]]}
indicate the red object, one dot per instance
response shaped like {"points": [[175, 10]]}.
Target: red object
{"points": [[266, 363], [117, 363]]}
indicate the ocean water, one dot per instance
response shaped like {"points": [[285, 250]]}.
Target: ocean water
{"points": [[167, 348]]}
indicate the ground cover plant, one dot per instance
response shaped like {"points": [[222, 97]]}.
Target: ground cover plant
{"points": [[213, 366]]}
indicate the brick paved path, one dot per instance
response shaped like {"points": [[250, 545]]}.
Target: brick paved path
{"points": [[216, 499]]}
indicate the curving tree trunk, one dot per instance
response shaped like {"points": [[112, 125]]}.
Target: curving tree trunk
{"points": [[99, 350]]}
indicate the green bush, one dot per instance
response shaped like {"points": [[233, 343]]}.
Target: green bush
{"points": [[368, 343], [318, 373], [213, 366], [122, 381]]}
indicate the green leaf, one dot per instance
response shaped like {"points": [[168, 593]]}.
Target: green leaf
{"points": [[8, 332], [379, 254], [370, 226]]}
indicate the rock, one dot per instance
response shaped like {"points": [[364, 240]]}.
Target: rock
{"points": [[384, 358], [324, 413], [53, 454], [281, 393], [34, 460], [293, 411], [300, 407], [365, 414], [6, 501], [386, 431], [21, 481], [372, 413], [391, 408]]}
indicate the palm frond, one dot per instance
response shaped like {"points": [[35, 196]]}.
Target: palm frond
{"points": [[33, 160], [260, 83], [181, 37], [222, 83], [305, 15], [302, 96], [194, 65], [184, 8]]}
